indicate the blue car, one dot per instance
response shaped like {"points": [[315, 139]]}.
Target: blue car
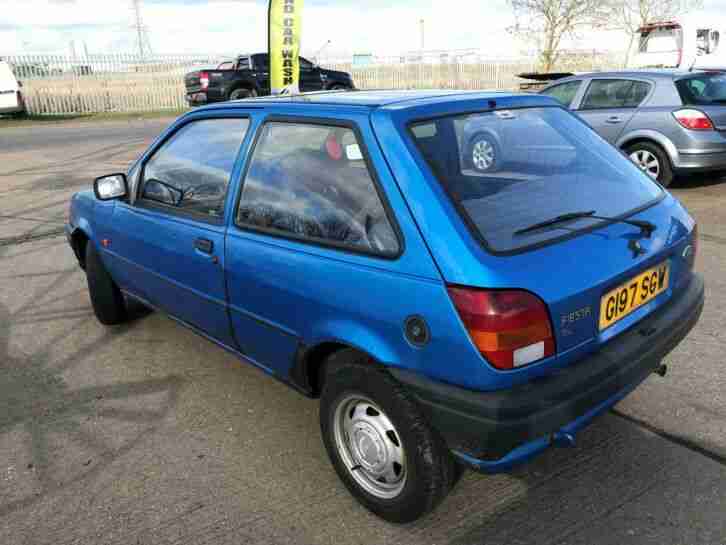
{"points": [[445, 315]]}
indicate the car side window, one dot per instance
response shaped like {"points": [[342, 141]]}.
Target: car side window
{"points": [[614, 93], [190, 172], [311, 182], [564, 92]]}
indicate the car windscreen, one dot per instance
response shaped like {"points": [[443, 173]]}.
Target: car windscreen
{"points": [[703, 89], [507, 170]]}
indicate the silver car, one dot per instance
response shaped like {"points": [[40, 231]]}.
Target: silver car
{"points": [[668, 121]]}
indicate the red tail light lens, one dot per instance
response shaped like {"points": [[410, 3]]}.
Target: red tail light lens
{"points": [[511, 328], [204, 80], [694, 120]]}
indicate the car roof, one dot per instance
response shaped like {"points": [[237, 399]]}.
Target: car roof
{"points": [[374, 99], [664, 73]]}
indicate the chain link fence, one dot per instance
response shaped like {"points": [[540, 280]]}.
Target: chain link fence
{"points": [[54, 84]]}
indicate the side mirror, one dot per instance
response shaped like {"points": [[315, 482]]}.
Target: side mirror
{"points": [[113, 186]]}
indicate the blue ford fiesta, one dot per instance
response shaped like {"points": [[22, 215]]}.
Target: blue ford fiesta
{"points": [[463, 279]]}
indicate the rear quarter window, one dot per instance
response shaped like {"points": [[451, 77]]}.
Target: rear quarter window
{"points": [[312, 183]]}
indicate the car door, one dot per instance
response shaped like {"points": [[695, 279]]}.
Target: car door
{"points": [[168, 246], [310, 77], [610, 103], [310, 219]]}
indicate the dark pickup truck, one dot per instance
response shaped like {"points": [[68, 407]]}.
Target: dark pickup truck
{"points": [[249, 76]]}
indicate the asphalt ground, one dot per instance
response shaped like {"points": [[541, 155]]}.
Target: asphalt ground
{"points": [[148, 434]]}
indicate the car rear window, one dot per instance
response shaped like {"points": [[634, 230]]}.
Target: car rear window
{"points": [[508, 169], [703, 89]]}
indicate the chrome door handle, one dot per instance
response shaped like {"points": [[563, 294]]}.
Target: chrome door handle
{"points": [[614, 120]]}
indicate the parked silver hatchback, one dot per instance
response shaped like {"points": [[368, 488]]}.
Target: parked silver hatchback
{"points": [[669, 122]]}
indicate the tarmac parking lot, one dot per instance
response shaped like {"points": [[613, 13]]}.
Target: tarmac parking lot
{"points": [[148, 434]]}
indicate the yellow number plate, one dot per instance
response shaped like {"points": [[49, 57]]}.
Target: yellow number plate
{"points": [[633, 294]]}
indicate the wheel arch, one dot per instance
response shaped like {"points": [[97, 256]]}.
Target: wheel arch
{"points": [[249, 85], [651, 137], [79, 241], [307, 369]]}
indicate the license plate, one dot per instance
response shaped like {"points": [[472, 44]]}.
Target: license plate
{"points": [[633, 294]]}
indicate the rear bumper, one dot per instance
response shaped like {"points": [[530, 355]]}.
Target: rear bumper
{"points": [[494, 431], [20, 108], [701, 162]]}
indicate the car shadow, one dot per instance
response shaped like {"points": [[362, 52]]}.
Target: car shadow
{"points": [[45, 422], [688, 181]]}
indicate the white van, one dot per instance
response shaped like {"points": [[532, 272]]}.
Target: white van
{"points": [[11, 98], [692, 40]]}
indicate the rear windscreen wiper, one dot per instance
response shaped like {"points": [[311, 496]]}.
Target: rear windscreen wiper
{"points": [[645, 226]]}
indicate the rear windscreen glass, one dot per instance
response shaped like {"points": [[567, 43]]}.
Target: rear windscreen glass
{"points": [[509, 169], [703, 90]]}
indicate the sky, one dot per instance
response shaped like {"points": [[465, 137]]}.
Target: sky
{"points": [[382, 27]]}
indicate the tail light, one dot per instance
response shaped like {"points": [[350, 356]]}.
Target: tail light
{"points": [[694, 120], [204, 79], [511, 328]]}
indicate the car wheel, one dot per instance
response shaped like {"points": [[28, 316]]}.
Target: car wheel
{"points": [[483, 153], [239, 94], [652, 160], [107, 300], [379, 443]]}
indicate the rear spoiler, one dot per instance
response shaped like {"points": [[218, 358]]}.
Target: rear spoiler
{"points": [[537, 80]]}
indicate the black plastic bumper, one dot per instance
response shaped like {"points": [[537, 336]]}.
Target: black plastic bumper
{"points": [[488, 426]]}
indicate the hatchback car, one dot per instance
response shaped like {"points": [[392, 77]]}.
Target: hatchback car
{"points": [[669, 122], [444, 317]]}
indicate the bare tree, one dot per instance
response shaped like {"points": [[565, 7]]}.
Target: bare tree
{"points": [[547, 22], [630, 15]]}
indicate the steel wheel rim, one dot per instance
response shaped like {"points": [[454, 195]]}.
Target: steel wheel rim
{"points": [[370, 446], [647, 162], [482, 155]]}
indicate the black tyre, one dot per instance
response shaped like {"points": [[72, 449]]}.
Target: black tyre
{"points": [[379, 443], [483, 153], [107, 300], [652, 160], [239, 94]]}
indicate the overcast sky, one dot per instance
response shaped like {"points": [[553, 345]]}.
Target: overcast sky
{"points": [[229, 26]]}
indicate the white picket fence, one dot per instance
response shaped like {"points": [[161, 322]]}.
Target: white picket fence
{"points": [[55, 84]]}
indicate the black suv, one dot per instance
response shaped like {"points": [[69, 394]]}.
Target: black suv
{"points": [[249, 76]]}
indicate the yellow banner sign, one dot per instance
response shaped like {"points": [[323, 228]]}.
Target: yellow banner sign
{"points": [[285, 29]]}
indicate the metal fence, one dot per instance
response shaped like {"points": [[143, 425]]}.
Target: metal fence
{"points": [[54, 84]]}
